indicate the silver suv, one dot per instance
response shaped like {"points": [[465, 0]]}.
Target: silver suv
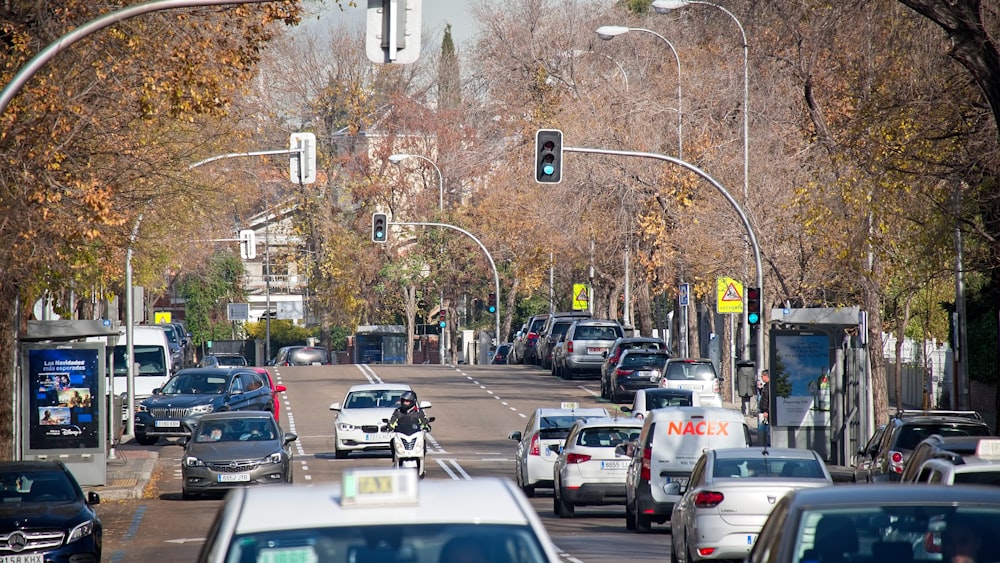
{"points": [[583, 348]]}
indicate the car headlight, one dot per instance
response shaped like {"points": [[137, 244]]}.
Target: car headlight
{"points": [[191, 461], [274, 458], [80, 531], [202, 409], [141, 407], [345, 426]]}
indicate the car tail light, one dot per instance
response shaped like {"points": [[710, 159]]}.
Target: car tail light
{"points": [[626, 372], [896, 461], [932, 542], [706, 551], [577, 458], [535, 449], [708, 499], [647, 454], [569, 347], [715, 385], [532, 337]]}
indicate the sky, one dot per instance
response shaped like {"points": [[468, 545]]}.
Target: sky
{"points": [[434, 15]]}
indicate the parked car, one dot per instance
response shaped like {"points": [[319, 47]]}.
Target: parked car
{"points": [[176, 343], [660, 461], [885, 459], [302, 356], [276, 389], [980, 467], [222, 360], [696, 374], [588, 470], [45, 515], [517, 346], [501, 354], [174, 410], [731, 493], [552, 332], [658, 398], [533, 459], [935, 446], [528, 353], [636, 369], [586, 341], [882, 523], [235, 449], [620, 345], [357, 427]]}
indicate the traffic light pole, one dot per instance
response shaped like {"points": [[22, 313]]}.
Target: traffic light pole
{"points": [[496, 275], [736, 206]]}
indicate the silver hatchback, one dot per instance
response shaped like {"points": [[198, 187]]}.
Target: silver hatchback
{"points": [[584, 347]]}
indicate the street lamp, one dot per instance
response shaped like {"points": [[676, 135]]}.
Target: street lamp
{"points": [[398, 158], [579, 52], [609, 32], [664, 6]]}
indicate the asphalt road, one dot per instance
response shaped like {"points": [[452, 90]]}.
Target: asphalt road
{"points": [[475, 408]]}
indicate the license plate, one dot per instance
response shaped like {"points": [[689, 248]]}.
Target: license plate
{"points": [[377, 437], [168, 424], [614, 464], [691, 387], [234, 478], [596, 350], [26, 558], [682, 480]]}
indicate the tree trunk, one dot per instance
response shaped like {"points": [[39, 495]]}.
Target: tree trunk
{"points": [[900, 336], [644, 310], [411, 318], [8, 308]]}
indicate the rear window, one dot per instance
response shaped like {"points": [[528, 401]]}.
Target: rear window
{"points": [[804, 468], [536, 325], [991, 478], [641, 346], [231, 360], [308, 356], [655, 361], [555, 426], [597, 333], [607, 437], [912, 434], [691, 371], [663, 401]]}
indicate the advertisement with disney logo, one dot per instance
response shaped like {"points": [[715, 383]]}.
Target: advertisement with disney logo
{"points": [[62, 386]]}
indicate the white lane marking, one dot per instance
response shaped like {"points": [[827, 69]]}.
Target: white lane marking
{"points": [[456, 472], [435, 447], [369, 373], [590, 391], [566, 555]]}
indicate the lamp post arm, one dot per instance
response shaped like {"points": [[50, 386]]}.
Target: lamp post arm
{"points": [[680, 149]]}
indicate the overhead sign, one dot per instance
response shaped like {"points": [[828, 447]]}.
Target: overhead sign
{"points": [[581, 297], [302, 162], [393, 31], [729, 296]]}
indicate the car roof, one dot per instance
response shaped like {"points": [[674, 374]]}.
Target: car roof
{"points": [[588, 411], [893, 493], [602, 421], [631, 339], [691, 412], [379, 386], [228, 370], [764, 452], [228, 354], [439, 501], [669, 391], [929, 419], [649, 351], [32, 465]]}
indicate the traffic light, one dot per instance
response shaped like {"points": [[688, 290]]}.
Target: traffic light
{"points": [[443, 318], [753, 306], [379, 230], [491, 304], [548, 156]]}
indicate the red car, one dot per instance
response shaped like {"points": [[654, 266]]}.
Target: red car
{"points": [[275, 389]]}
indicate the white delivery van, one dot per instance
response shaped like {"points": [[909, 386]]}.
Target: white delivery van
{"points": [[671, 441], [151, 351]]}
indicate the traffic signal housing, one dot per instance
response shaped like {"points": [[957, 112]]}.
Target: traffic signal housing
{"points": [[380, 230], [443, 318], [491, 303], [548, 156], [753, 306]]}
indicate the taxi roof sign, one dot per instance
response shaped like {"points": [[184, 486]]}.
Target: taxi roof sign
{"points": [[571, 405], [383, 487], [988, 449]]}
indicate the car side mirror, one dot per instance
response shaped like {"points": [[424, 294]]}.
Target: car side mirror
{"points": [[431, 419], [621, 449], [335, 406], [425, 404], [515, 435], [672, 488], [182, 441], [290, 437], [604, 354], [625, 409], [93, 497], [280, 388], [157, 391]]}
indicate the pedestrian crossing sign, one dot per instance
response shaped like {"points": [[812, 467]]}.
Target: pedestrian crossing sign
{"points": [[581, 297], [729, 294]]}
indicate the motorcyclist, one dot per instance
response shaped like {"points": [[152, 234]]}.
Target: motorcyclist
{"points": [[408, 414]]}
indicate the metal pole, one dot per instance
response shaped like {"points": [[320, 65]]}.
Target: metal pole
{"points": [[129, 342]]}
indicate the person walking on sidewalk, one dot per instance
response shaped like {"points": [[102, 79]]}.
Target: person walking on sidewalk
{"points": [[763, 410]]}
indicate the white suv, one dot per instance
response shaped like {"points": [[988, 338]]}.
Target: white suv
{"points": [[696, 374]]}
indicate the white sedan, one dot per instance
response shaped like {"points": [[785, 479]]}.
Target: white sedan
{"points": [[357, 426], [730, 494]]}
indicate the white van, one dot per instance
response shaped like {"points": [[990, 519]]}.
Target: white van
{"points": [[151, 350], [671, 441]]}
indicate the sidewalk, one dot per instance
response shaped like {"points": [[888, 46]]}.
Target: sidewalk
{"points": [[128, 472]]}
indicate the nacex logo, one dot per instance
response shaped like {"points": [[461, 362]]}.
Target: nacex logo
{"points": [[702, 428]]}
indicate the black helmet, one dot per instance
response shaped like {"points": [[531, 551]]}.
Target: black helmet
{"points": [[407, 401]]}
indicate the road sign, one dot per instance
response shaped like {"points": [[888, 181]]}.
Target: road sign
{"points": [[581, 297], [729, 296], [393, 31], [162, 317], [238, 311], [684, 294], [248, 244], [302, 164]]}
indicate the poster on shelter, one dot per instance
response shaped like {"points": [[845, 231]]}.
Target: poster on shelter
{"points": [[800, 379], [62, 385]]}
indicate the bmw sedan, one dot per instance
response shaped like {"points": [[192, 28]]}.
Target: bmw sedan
{"points": [[234, 449], [730, 494], [357, 427]]}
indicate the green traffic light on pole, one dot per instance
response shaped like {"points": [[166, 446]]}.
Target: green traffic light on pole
{"points": [[753, 306], [548, 156], [492, 303], [379, 227]]}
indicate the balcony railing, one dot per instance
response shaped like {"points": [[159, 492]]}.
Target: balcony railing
{"points": [[279, 284]]}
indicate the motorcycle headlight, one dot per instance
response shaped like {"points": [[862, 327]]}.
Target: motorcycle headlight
{"points": [[345, 426], [80, 531], [274, 458], [192, 461], [202, 409]]}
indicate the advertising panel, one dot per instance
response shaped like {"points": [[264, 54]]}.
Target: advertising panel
{"points": [[63, 394], [800, 378]]}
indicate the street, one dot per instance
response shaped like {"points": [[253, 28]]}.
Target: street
{"points": [[475, 408]]}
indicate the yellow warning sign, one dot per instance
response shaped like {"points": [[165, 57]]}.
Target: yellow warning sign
{"points": [[161, 317], [729, 294], [581, 297]]}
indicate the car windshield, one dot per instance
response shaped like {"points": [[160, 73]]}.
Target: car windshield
{"points": [[910, 532], [659, 401], [650, 361], [195, 384], [237, 430], [680, 371], [805, 468], [607, 437], [395, 542], [29, 486], [373, 399], [912, 434]]}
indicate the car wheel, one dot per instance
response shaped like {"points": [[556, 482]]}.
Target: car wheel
{"points": [[687, 550], [145, 440], [642, 523], [567, 373], [341, 454], [629, 519], [673, 552], [614, 395], [529, 490]]}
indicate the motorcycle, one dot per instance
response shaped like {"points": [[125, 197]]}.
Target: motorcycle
{"points": [[408, 447]]}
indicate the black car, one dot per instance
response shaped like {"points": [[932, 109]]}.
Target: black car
{"points": [[636, 369], [615, 352], [174, 410], [45, 515], [886, 454], [303, 356], [501, 354]]}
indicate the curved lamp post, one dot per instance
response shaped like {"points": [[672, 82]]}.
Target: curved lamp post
{"points": [[579, 52], [399, 158], [609, 32]]}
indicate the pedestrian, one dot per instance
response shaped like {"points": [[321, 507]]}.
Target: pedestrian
{"points": [[764, 409]]}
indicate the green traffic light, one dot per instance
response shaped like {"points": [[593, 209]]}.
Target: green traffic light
{"points": [[753, 318]]}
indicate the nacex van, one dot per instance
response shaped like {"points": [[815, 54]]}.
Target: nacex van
{"points": [[671, 441]]}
